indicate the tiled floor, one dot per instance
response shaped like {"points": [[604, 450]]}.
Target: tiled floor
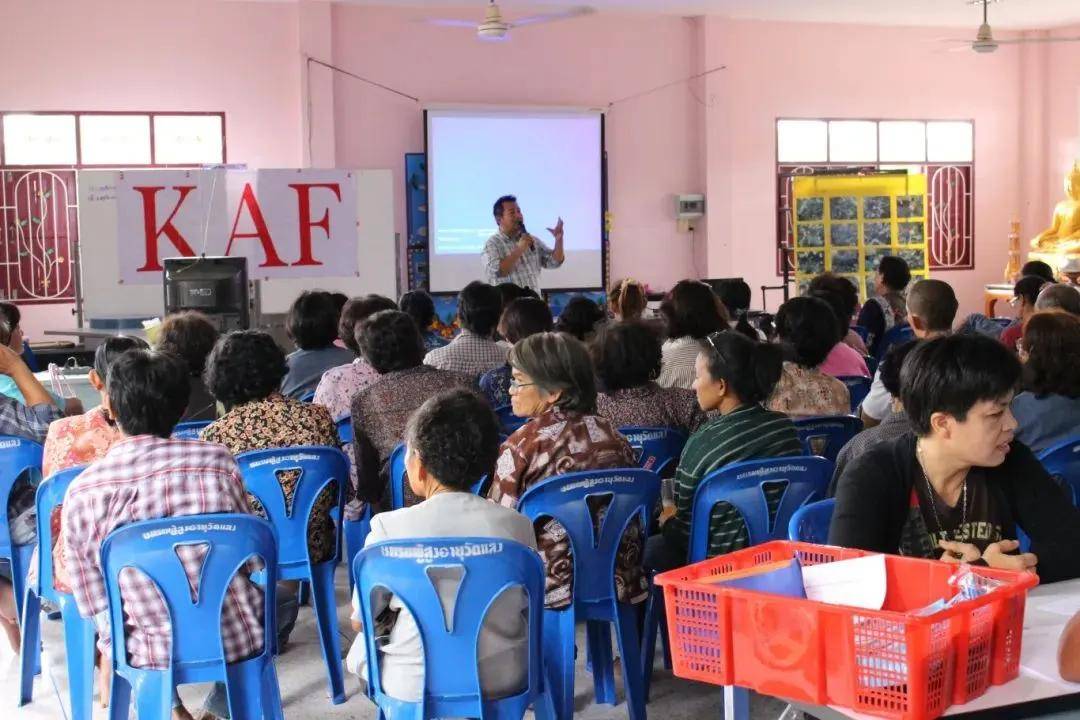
{"points": [[302, 676]]}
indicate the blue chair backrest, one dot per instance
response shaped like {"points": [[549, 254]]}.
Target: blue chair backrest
{"points": [[486, 567], [318, 466], [509, 421], [151, 547], [861, 332], [858, 388], [189, 430], [894, 336], [344, 429], [658, 448], [19, 457], [871, 364], [398, 479], [307, 397], [826, 435], [1063, 462], [741, 485], [50, 493], [633, 493], [810, 523]]}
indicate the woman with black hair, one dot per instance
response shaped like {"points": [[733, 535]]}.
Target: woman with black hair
{"points": [[579, 318], [522, 317], [312, 324], [808, 330], [626, 358], [191, 336], [421, 308], [692, 312], [1048, 410], [733, 377]]}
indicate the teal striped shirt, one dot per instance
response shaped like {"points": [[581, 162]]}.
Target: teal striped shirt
{"points": [[749, 432]]}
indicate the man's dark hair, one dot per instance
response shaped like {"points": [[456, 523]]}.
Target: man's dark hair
{"points": [[1052, 344], [895, 272], [419, 306], [524, 317], [498, 208], [148, 392], [735, 294], [579, 317], [245, 365], [479, 308], [356, 311], [892, 364], [456, 435], [339, 299], [1039, 269], [389, 340], [1028, 288], [107, 352], [807, 327], [692, 309], [625, 355], [935, 302], [951, 374], [749, 367], [190, 336], [312, 321], [11, 313]]}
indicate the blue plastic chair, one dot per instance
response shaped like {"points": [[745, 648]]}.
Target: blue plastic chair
{"points": [[861, 332], [826, 435], [658, 448], [633, 493], [508, 420], [858, 388], [487, 567], [307, 397], [742, 485], [318, 466], [871, 364], [190, 430], [19, 458], [895, 335], [810, 523], [78, 631], [344, 429], [356, 532], [150, 547], [1062, 461], [398, 479]]}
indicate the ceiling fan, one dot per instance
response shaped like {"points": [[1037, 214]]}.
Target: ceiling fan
{"points": [[984, 41], [495, 28]]}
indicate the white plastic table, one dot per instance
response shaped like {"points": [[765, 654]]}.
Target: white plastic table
{"points": [[1037, 690]]}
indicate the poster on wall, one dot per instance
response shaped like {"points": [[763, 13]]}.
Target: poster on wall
{"points": [[845, 224], [287, 223]]}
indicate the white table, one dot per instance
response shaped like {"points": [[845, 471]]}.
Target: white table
{"points": [[1048, 609]]}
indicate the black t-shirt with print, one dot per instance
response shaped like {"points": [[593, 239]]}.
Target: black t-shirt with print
{"points": [[983, 526]]}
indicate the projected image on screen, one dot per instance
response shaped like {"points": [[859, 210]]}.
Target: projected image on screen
{"points": [[550, 160]]}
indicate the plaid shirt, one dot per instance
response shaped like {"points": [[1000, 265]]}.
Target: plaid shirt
{"points": [[526, 272], [28, 421], [468, 354], [143, 478]]}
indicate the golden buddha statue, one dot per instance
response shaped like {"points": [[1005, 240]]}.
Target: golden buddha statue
{"points": [[1063, 236]]}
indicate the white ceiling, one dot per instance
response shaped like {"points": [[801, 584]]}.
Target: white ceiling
{"points": [[1004, 14]]}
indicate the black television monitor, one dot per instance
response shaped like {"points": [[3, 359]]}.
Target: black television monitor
{"points": [[215, 286]]}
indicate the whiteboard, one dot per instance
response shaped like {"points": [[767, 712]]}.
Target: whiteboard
{"points": [[104, 296]]}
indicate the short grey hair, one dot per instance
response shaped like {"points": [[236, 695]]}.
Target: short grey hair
{"points": [[558, 362], [1059, 297]]}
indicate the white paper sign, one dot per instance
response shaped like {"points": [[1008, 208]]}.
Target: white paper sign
{"points": [[859, 582]]}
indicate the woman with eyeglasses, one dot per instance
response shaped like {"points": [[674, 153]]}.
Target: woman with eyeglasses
{"points": [[552, 383], [734, 375]]}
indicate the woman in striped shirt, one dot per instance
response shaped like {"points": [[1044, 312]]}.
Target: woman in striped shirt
{"points": [[734, 376]]}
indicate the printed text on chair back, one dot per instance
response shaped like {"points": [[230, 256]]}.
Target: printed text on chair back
{"points": [[657, 447], [826, 435], [19, 458]]}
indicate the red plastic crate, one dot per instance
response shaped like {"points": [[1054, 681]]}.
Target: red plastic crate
{"points": [[880, 662]]}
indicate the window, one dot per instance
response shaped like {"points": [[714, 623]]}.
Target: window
{"points": [[189, 139], [115, 139], [942, 149], [39, 139]]}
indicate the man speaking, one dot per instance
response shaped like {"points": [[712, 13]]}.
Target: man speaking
{"points": [[512, 254]]}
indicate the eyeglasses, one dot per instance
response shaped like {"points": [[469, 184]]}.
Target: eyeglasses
{"points": [[712, 342], [515, 385]]}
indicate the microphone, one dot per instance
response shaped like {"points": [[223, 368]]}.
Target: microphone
{"points": [[532, 243]]}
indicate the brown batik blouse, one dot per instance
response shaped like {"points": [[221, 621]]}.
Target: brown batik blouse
{"points": [[557, 442], [279, 422]]}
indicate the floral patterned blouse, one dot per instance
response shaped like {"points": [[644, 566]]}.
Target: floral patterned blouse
{"points": [[276, 422], [650, 405], [808, 392], [557, 442]]}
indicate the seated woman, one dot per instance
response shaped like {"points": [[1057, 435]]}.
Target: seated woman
{"points": [[627, 300], [1047, 412], [843, 298], [579, 318], [338, 385], [452, 440], [807, 330], [244, 372], [421, 308], [191, 336], [734, 376], [626, 357], [843, 360], [692, 312], [553, 384], [391, 343], [887, 308], [11, 336], [312, 324], [522, 317], [959, 486]]}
